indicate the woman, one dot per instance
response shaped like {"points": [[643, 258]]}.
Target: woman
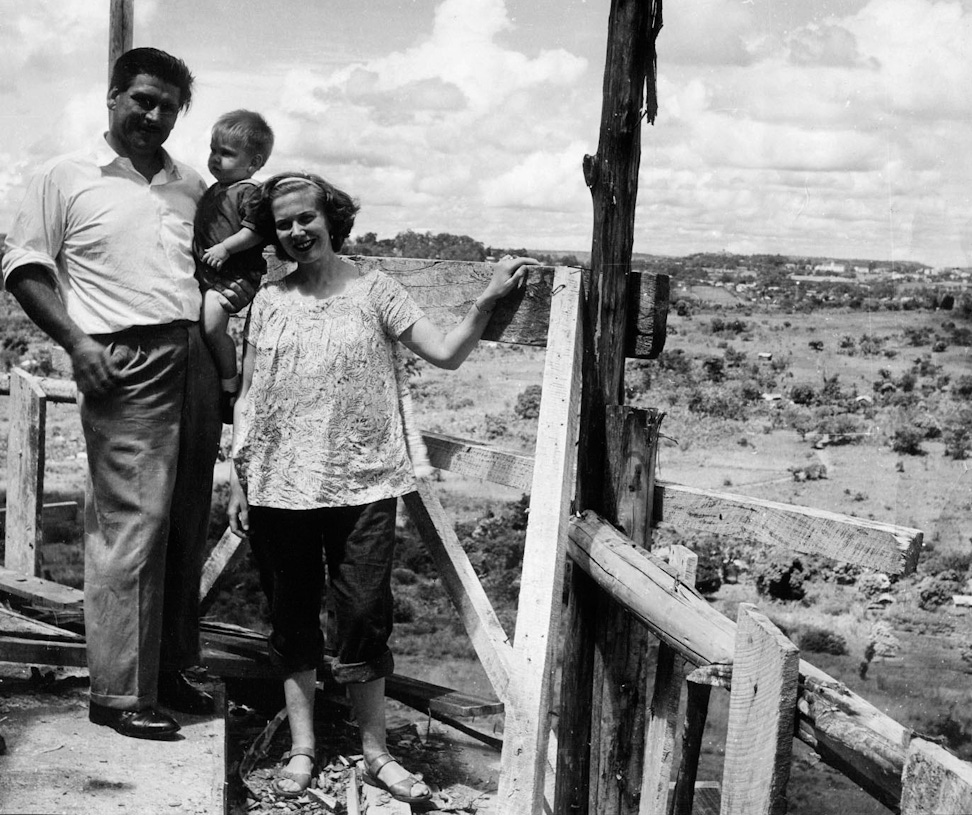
{"points": [[321, 457]]}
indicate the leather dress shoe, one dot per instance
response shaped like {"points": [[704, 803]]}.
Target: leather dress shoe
{"points": [[139, 724], [178, 693]]}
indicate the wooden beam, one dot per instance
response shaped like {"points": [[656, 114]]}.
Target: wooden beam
{"points": [[693, 729], [876, 545], [446, 289], [524, 758], [33, 651], [490, 641], [934, 781], [25, 473], [621, 648], [121, 26], [847, 732], [762, 706], [675, 612], [476, 460], [663, 714], [56, 390], [40, 592], [224, 557]]}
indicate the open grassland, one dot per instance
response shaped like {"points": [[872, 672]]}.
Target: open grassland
{"points": [[865, 424]]}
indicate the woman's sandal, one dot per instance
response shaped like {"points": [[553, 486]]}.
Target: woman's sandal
{"points": [[400, 790], [303, 780]]}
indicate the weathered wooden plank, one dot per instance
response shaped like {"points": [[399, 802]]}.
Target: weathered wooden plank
{"points": [[25, 473], [446, 289], [666, 696], [231, 651], [477, 460], [56, 390], [576, 688], [934, 781], [523, 762], [39, 591], [621, 653], [31, 651], [121, 27], [224, 557], [490, 641], [378, 802], [762, 707], [884, 547], [352, 803], [685, 786], [675, 612], [16, 625], [845, 730]]}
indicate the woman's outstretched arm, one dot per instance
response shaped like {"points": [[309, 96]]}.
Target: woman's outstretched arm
{"points": [[450, 349]]}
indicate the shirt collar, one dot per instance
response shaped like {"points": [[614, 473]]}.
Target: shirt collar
{"points": [[104, 155]]}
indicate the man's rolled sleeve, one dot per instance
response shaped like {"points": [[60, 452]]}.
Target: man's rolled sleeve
{"points": [[38, 229]]}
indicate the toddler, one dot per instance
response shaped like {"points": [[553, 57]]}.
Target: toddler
{"points": [[227, 246]]}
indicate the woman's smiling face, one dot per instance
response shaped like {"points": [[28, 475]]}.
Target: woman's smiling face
{"points": [[301, 227]]}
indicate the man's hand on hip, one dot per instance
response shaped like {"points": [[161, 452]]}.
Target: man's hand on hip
{"points": [[95, 371]]}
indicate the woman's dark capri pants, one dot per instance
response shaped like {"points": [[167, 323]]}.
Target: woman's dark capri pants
{"points": [[358, 543]]}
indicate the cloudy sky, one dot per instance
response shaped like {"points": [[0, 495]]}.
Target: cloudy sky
{"points": [[819, 127]]}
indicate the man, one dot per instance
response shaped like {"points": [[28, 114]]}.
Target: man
{"points": [[100, 258]]}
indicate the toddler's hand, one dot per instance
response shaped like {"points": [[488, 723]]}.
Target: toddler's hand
{"points": [[216, 256]]}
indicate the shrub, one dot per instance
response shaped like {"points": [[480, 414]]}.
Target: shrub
{"points": [[907, 440], [821, 641], [528, 402], [803, 394], [781, 578], [962, 387], [714, 368]]}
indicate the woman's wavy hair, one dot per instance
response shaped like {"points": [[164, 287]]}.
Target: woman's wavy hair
{"points": [[338, 207]]}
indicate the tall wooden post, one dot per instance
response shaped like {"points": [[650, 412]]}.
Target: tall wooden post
{"points": [[25, 473], [612, 176], [121, 27]]}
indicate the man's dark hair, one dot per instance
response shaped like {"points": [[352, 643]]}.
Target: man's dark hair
{"points": [[153, 62]]}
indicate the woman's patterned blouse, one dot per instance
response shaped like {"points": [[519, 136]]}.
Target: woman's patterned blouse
{"points": [[322, 425]]}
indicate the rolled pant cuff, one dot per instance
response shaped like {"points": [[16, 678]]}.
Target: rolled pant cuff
{"points": [[348, 673], [122, 702]]}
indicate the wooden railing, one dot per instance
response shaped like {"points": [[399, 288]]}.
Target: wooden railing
{"points": [[774, 695]]}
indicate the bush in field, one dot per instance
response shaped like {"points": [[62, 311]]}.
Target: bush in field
{"points": [[781, 578], [720, 403], [528, 402], [907, 440], [842, 428], [714, 368], [962, 387], [803, 394], [934, 592], [822, 641], [957, 436]]}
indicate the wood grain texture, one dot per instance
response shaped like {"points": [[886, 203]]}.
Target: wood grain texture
{"points": [[619, 710], [693, 729], [121, 27], [224, 557], [880, 546], [524, 758], [56, 390], [848, 732], [25, 473], [762, 706], [935, 782], [485, 631], [446, 290], [476, 460], [663, 714]]}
